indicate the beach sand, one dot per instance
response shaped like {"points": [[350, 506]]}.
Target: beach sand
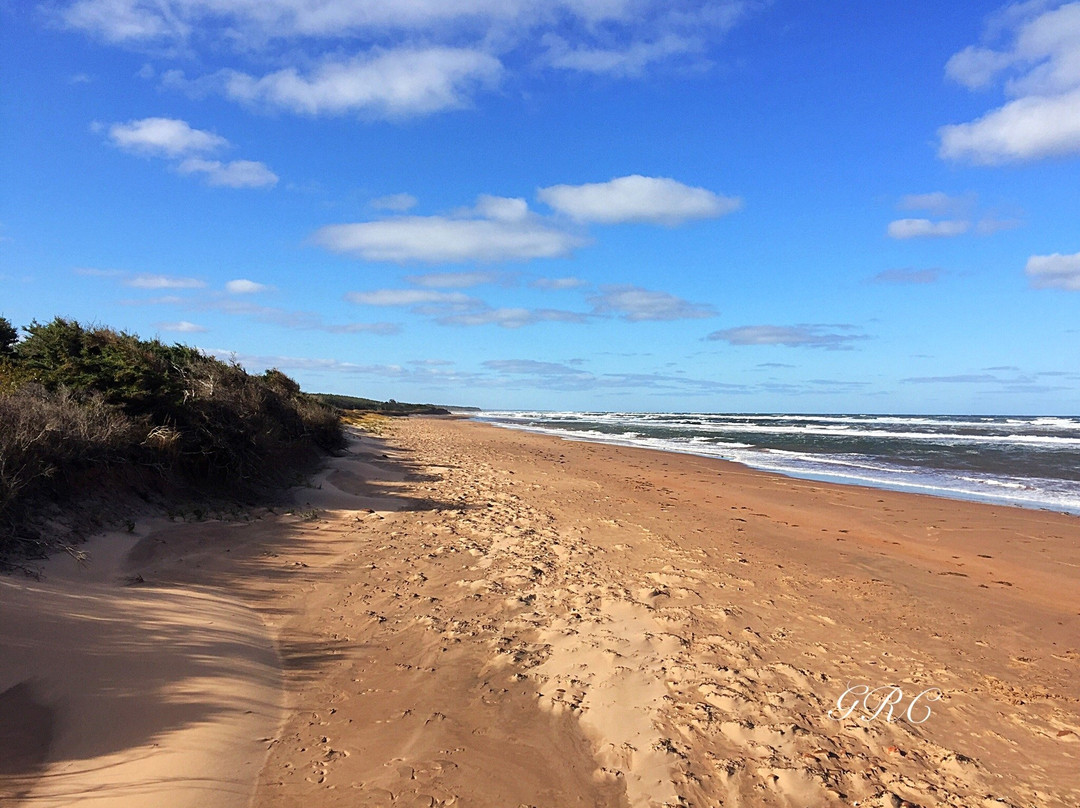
{"points": [[457, 614]]}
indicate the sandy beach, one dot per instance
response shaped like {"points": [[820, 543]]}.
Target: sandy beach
{"points": [[456, 614]]}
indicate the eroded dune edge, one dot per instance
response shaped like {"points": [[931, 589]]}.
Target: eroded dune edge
{"points": [[455, 614]]}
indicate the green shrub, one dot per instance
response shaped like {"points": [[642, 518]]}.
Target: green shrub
{"points": [[72, 397]]}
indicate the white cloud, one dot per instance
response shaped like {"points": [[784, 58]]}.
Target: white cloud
{"points": [[1042, 66], [792, 336], [234, 174], [390, 83], [924, 228], [173, 138], [636, 304], [457, 309], [406, 297], [976, 67], [630, 60], [163, 282], [242, 286], [1025, 129], [501, 208], [438, 239], [1054, 271], [961, 208], [398, 203], [399, 58], [637, 199], [245, 21], [122, 20], [164, 137], [183, 327], [454, 280]]}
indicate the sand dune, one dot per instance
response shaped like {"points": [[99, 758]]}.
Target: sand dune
{"points": [[461, 615]]}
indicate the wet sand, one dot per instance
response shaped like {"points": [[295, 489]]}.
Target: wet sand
{"points": [[456, 614]]}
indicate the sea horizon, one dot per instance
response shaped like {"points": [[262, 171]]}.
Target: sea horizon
{"points": [[1029, 461]]}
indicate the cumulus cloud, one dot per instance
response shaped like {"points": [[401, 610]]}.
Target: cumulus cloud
{"points": [[440, 239], [635, 198], [975, 67], [502, 208], [397, 203], [173, 138], [391, 83], [182, 327], [1025, 129], [636, 304], [163, 282], [242, 286], [911, 276], [164, 137], [1054, 271], [396, 59], [830, 337], [1041, 66], [925, 228], [234, 174], [498, 228]]}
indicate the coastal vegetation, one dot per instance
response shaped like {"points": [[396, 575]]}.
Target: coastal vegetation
{"points": [[391, 407], [88, 413]]}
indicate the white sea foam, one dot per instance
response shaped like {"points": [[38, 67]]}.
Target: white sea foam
{"points": [[704, 434]]}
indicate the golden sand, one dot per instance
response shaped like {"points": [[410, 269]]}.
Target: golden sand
{"points": [[456, 614]]}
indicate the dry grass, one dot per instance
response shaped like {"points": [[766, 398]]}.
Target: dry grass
{"points": [[371, 422]]}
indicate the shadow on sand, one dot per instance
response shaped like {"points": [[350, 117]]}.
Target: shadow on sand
{"points": [[97, 673]]}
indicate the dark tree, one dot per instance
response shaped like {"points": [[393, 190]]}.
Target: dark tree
{"points": [[8, 336]]}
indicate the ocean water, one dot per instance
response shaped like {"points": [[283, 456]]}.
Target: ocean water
{"points": [[1032, 462]]}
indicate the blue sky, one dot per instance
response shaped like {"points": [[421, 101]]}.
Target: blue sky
{"points": [[725, 205]]}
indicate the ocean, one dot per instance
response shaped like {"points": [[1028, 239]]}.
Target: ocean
{"points": [[1033, 462]]}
